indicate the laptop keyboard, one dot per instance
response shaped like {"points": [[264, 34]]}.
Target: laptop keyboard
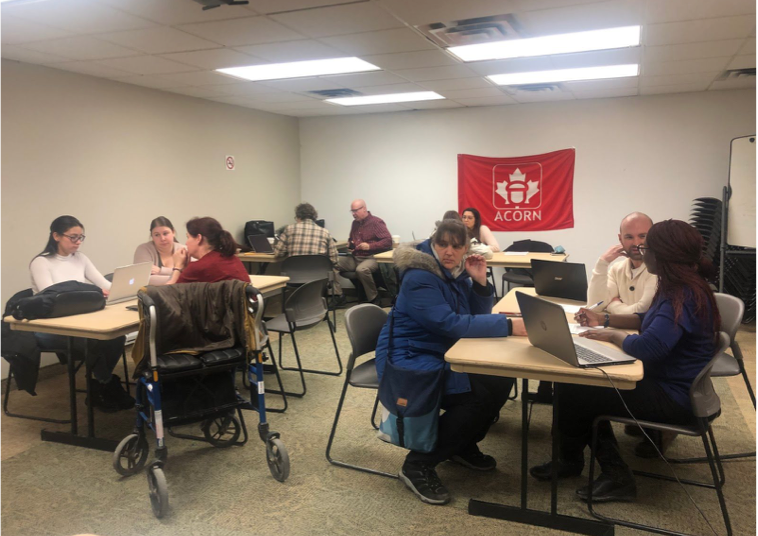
{"points": [[589, 356]]}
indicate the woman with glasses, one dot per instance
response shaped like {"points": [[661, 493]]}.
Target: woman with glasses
{"points": [[677, 338], [476, 231], [159, 251], [61, 261]]}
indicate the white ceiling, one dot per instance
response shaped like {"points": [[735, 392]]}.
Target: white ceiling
{"points": [[173, 45]]}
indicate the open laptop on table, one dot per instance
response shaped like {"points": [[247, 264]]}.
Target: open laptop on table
{"points": [[259, 243], [127, 280], [548, 330], [560, 279]]}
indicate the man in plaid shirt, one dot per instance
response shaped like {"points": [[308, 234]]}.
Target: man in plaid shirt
{"points": [[307, 238], [368, 236]]}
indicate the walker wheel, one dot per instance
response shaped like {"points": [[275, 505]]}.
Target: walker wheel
{"points": [[156, 481], [278, 459], [130, 455], [223, 431]]}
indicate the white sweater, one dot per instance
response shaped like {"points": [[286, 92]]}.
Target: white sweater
{"points": [[51, 269]]}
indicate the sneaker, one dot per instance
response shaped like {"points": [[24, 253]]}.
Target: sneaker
{"points": [[475, 460], [338, 300], [424, 482], [95, 389], [114, 396]]}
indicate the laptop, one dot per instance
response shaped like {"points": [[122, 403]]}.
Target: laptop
{"points": [[259, 243], [547, 329], [560, 279], [127, 280]]}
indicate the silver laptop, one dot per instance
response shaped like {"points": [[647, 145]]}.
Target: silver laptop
{"points": [[548, 329], [127, 280]]}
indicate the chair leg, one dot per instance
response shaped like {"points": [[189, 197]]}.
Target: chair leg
{"points": [[18, 415], [297, 354], [373, 412], [716, 481], [741, 363], [515, 391], [334, 430], [126, 372], [281, 390], [302, 378]]}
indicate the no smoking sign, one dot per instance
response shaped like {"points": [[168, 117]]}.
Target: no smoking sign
{"points": [[230, 163]]}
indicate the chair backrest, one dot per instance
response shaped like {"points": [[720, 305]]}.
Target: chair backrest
{"points": [[303, 268], [531, 246], [109, 277], [363, 324], [731, 310], [260, 227], [306, 305], [705, 402]]}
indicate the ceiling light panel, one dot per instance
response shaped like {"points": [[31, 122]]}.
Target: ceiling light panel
{"points": [[610, 38], [387, 99], [300, 69], [565, 75]]}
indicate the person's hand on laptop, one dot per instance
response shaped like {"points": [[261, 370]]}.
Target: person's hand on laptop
{"points": [[613, 253], [607, 335], [155, 270]]}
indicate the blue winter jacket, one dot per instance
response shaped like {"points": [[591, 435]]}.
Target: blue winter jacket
{"points": [[433, 310]]}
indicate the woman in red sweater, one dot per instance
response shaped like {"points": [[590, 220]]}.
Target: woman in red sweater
{"points": [[214, 248]]}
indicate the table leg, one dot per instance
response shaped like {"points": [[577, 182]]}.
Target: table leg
{"points": [[71, 384], [524, 442], [91, 402]]}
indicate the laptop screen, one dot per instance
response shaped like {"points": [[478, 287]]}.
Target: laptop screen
{"points": [[560, 279], [260, 243]]}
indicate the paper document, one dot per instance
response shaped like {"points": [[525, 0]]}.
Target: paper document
{"points": [[576, 328], [571, 308], [509, 253]]}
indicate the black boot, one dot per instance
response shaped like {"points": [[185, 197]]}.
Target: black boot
{"points": [[113, 396], [616, 481], [95, 390], [544, 394]]}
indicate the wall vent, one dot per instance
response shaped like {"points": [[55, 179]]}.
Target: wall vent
{"points": [[472, 31], [335, 93], [737, 74]]}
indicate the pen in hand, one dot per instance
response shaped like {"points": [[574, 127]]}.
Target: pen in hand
{"points": [[581, 317], [593, 306]]}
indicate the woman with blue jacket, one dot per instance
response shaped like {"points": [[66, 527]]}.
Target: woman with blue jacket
{"points": [[444, 298]]}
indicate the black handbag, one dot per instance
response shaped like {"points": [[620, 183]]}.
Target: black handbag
{"points": [[61, 299]]}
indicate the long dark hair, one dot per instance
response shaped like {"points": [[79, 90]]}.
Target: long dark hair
{"points": [[474, 233], [60, 225], [162, 221], [219, 239], [682, 269]]}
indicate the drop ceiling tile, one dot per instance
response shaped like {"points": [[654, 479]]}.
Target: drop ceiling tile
{"points": [[431, 105], [742, 62], [237, 101], [283, 96], [315, 112], [80, 16], [471, 93], [513, 65], [306, 49], [279, 6], [90, 68], [16, 53], [678, 79], [218, 58], [748, 47], [376, 78], [541, 96], [240, 89], [274, 106], [382, 42], [201, 92], [693, 31], [679, 88], [243, 31], [600, 85], [606, 93], [745, 82], [339, 20], [16, 31], [598, 58], [412, 60], [487, 101], [202, 78], [436, 73], [175, 12], [149, 80], [302, 84], [161, 40], [680, 10], [692, 51], [685, 66], [455, 83], [394, 88], [147, 65], [370, 109], [577, 18], [81, 48]]}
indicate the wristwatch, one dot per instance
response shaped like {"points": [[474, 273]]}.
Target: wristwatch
{"points": [[607, 320]]}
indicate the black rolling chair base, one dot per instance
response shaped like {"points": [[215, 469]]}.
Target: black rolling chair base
{"points": [[67, 438], [540, 519]]}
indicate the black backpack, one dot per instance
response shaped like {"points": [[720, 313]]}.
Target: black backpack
{"points": [[61, 299]]}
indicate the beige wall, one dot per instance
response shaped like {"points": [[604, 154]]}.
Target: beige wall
{"points": [[653, 153], [117, 155]]}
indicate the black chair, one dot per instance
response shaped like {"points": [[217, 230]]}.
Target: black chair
{"points": [[305, 308], [302, 269], [363, 324], [523, 276], [706, 406]]}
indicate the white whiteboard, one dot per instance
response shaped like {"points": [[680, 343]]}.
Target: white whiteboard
{"points": [[741, 225]]}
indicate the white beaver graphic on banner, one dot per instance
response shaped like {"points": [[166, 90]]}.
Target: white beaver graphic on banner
{"points": [[517, 190]]}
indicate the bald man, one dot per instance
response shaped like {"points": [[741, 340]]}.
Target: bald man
{"points": [[624, 287], [368, 236]]}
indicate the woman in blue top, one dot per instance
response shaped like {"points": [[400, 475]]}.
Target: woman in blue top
{"points": [[444, 298], [677, 338]]}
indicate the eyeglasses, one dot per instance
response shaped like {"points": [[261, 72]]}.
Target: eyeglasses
{"points": [[643, 249], [75, 238], [354, 210]]}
